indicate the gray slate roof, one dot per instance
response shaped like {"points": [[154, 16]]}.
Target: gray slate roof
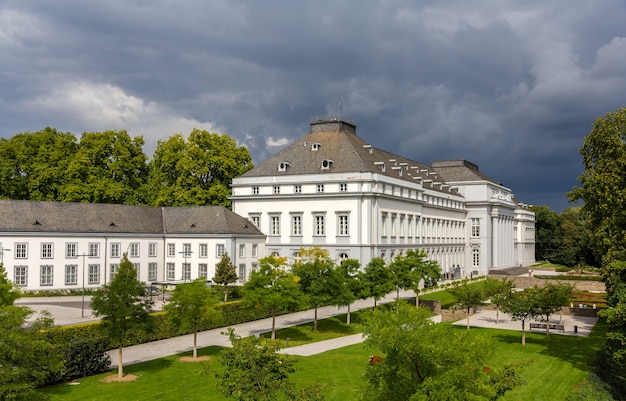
{"points": [[460, 170], [66, 217], [349, 153]]}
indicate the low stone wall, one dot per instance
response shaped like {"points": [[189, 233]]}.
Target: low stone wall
{"points": [[530, 282]]}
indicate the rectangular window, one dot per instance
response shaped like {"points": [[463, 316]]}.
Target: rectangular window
{"points": [[320, 187], [133, 250], [94, 274], [393, 224], [152, 250], [114, 267], [171, 250], [20, 276], [242, 272], [276, 189], [475, 227], [297, 189], [343, 187], [203, 250], [384, 224], [476, 258], [152, 271], [186, 271], [255, 250], [186, 250], [254, 267], [274, 225], [255, 190], [47, 250], [256, 220], [21, 250], [137, 267], [343, 224], [242, 250], [115, 249], [94, 250], [71, 274], [318, 223], [71, 249], [46, 276], [171, 271], [296, 225], [219, 250], [203, 270]]}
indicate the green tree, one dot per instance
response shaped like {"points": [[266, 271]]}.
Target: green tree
{"points": [[351, 285], [469, 297], [33, 164], [123, 306], [196, 172], [522, 306], [498, 292], [273, 287], [378, 280], [27, 358], [550, 299], [413, 268], [318, 279], [225, 273], [193, 307], [253, 370], [109, 167], [423, 360]]}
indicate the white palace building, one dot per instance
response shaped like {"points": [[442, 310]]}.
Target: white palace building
{"points": [[328, 189], [333, 190]]}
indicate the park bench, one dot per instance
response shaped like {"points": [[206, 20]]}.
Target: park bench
{"points": [[542, 326]]}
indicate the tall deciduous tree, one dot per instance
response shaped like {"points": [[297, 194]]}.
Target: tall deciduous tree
{"points": [[109, 167], [378, 279], [123, 306], [413, 268], [225, 273], [550, 299], [273, 287], [318, 279], [423, 360], [351, 286], [196, 172], [33, 164], [192, 307], [498, 292]]}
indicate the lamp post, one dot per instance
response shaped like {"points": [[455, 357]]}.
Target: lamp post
{"points": [[2, 254], [82, 309], [186, 254]]}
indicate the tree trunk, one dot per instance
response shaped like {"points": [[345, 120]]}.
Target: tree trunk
{"points": [[548, 325], [348, 315], [497, 314], [397, 293], [195, 344], [273, 336], [225, 292], [523, 333], [417, 300], [315, 319], [468, 317], [120, 366]]}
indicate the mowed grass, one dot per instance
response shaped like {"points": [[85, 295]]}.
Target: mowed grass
{"points": [[559, 364]]}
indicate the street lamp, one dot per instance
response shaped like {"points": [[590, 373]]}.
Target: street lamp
{"points": [[2, 254], [82, 310], [186, 254]]}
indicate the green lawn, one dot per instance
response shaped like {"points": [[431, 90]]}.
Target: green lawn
{"points": [[559, 364]]}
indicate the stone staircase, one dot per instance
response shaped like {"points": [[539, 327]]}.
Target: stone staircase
{"points": [[512, 271]]}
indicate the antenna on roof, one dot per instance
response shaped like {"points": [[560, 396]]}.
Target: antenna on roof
{"points": [[340, 110]]}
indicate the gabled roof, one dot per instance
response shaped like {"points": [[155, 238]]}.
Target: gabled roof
{"points": [[67, 217], [336, 142]]}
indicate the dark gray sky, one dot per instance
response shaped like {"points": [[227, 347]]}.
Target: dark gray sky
{"points": [[511, 86]]}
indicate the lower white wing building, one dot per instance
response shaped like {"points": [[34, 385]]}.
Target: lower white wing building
{"points": [[333, 190], [60, 246]]}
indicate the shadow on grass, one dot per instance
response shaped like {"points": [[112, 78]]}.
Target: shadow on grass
{"points": [[326, 329]]}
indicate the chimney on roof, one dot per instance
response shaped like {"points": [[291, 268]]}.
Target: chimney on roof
{"points": [[335, 124]]}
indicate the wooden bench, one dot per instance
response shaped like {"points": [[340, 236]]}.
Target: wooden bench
{"points": [[542, 326]]}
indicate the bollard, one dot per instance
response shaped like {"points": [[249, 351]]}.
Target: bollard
{"points": [[575, 329]]}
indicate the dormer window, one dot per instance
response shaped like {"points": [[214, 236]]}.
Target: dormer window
{"points": [[368, 147], [380, 165], [282, 166], [326, 164], [315, 146]]}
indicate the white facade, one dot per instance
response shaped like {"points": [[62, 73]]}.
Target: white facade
{"points": [[332, 190], [41, 259]]}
